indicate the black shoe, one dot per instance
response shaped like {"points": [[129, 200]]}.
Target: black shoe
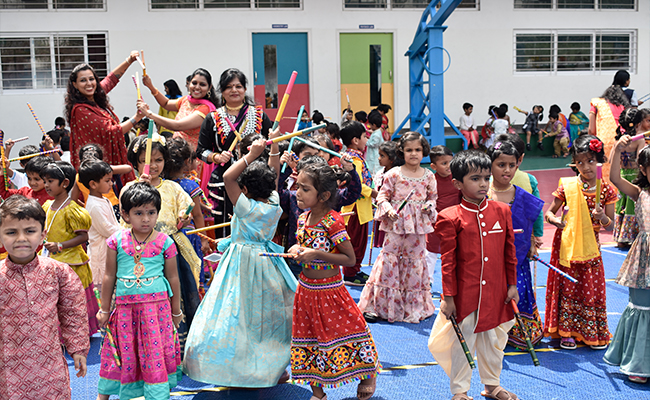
{"points": [[357, 280], [363, 275], [540, 146], [528, 146], [370, 318]]}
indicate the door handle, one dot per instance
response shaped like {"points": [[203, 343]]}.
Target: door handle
{"points": [[390, 74], [256, 75]]}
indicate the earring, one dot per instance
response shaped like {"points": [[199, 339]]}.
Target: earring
{"points": [[209, 93]]}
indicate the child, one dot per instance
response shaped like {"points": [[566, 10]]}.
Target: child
{"points": [[300, 150], [500, 125], [525, 209], [141, 268], [354, 137], [384, 109], [346, 116], [375, 140], [577, 311], [468, 126], [172, 211], [225, 348], [561, 142], [577, 121], [625, 225], [398, 288], [98, 177], [326, 322], [334, 133], [66, 230], [388, 159], [325, 141], [16, 178], [43, 305], [530, 126], [36, 189], [477, 244], [629, 345], [317, 119], [305, 121], [448, 195]]}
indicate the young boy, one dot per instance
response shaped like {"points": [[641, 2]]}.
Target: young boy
{"points": [[36, 188], [354, 137], [500, 125], [530, 126], [448, 195], [479, 273], [561, 142], [97, 176], [375, 140], [41, 299], [468, 126]]}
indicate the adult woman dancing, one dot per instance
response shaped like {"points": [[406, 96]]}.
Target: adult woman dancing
{"points": [[91, 116], [603, 119], [172, 92], [191, 109], [216, 136]]}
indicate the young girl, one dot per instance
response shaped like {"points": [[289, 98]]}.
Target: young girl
{"points": [[331, 344], [140, 355], [625, 225], [525, 209], [577, 311], [241, 336], [172, 211], [398, 288], [325, 141], [66, 228], [388, 159], [630, 343], [577, 121]]}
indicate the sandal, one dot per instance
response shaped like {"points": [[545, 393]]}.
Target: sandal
{"points": [[568, 343], [599, 347], [637, 379], [461, 396], [364, 392], [499, 394]]}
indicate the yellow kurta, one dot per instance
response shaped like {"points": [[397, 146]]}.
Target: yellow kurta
{"points": [[364, 204]]}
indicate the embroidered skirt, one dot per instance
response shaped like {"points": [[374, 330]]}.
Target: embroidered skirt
{"points": [[141, 356], [528, 310], [625, 226], [331, 344]]}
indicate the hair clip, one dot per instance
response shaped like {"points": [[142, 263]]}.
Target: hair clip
{"points": [[631, 124], [497, 146], [595, 145], [59, 168], [156, 137]]}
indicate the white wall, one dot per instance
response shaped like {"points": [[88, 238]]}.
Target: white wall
{"points": [[178, 41]]}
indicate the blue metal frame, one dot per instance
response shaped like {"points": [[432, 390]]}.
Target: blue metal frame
{"points": [[426, 76]]}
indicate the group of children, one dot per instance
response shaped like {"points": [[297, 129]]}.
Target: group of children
{"points": [[278, 294]]}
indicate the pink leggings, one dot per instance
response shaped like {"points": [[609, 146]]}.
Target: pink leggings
{"points": [[471, 136]]}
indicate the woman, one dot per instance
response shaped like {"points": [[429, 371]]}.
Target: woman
{"points": [[603, 118], [91, 116], [622, 79], [191, 109], [172, 92], [216, 136]]}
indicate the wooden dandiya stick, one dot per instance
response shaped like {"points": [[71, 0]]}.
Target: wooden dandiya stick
{"points": [[403, 203], [137, 86], [529, 344], [285, 99], [38, 122], [4, 161], [599, 180], [147, 154], [208, 228], [564, 274], [141, 61], [237, 135], [287, 136], [98, 297], [518, 109], [302, 109], [113, 345], [281, 255], [202, 236], [20, 139], [565, 211], [25, 157], [463, 344], [319, 147], [640, 136], [284, 166], [185, 214]]}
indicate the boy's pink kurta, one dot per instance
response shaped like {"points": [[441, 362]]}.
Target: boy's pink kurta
{"points": [[33, 299]]}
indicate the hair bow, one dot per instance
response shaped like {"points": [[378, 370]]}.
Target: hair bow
{"points": [[156, 137], [595, 145]]}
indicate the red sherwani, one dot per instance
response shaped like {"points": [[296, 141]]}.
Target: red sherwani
{"points": [[34, 298], [479, 260]]}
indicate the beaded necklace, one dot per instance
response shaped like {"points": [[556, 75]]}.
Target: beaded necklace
{"points": [[139, 247]]}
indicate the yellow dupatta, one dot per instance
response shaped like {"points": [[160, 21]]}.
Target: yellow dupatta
{"points": [[605, 129], [578, 238]]}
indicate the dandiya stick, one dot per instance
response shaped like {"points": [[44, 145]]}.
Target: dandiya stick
{"points": [[599, 180], [21, 139], [208, 228], [285, 99], [644, 98], [403, 204], [518, 230], [137, 86], [185, 214], [4, 161], [529, 344], [237, 135], [518, 109], [564, 274], [38, 122], [463, 344], [319, 147], [302, 109], [565, 211], [640, 136], [25, 157], [113, 345], [347, 96], [281, 255], [147, 154], [202, 236], [293, 134], [284, 166], [347, 214]]}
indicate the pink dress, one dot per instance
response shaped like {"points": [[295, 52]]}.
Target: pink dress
{"points": [[398, 288]]}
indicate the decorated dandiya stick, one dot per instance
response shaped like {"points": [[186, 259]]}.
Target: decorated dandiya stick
{"points": [[25, 157], [113, 345], [98, 297], [285, 99], [287, 136], [319, 147], [38, 122], [142, 64], [284, 166], [4, 161], [463, 344], [518, 230], [147, 154], [347, 214], [208, 228], [281, 255], [347, 96], [302, 109], [21, 139], [185, 214], [599, 180], [237, 135], [529, 344], [202, 236], [565, 211], [640, 136], [564, 274], [518, 109], [403, 203], [644, 98], [137, 87]]}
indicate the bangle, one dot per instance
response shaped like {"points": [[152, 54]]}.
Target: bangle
{"points": [[104, 312], [133, 121], [609, 222], [245, 160], [177, 315], [155, 94], [274, 154], [214, 156], [59, 246]]}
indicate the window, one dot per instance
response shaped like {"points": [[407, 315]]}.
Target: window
{"points": [[51, 4], [568, 51], [45, 61], [390, 4], [207, 4], [577, 4]]}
